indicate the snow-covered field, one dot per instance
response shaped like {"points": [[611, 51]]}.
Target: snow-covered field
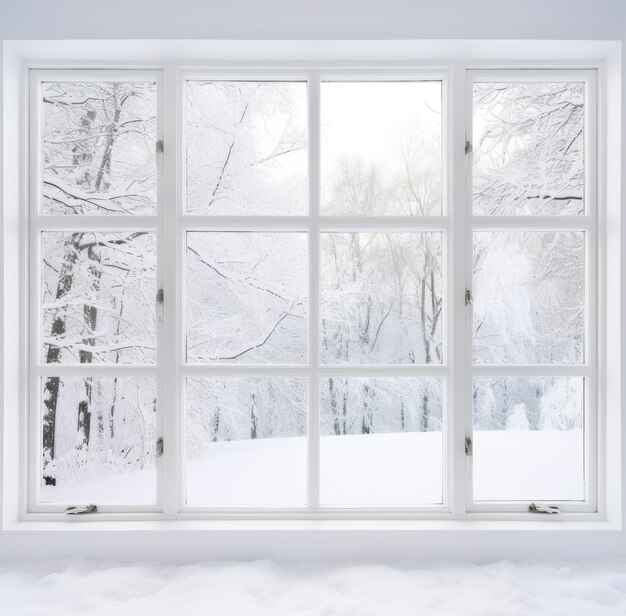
{"points": [[382, 469], [69, 588]]}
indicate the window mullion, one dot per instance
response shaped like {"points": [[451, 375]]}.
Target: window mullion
{"points": [[170, 267], [313, 432], [458, 415]]}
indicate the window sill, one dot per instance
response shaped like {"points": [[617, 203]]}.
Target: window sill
{"points": [[106, 522]]}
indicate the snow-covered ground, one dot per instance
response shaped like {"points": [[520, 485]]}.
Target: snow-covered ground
{"points": [[382, 469], [69, 588]]}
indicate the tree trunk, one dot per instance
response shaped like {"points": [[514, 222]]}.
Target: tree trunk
{"points": [[216, 423], [368, 418], [253, 418], [53, 355], [425, 417]]}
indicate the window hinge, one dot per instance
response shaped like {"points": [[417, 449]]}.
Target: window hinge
{"points": [[468, 297], [468, 147], [81, 510], [469, 446], [159, 146], [159, 296], [159, 447], [547, 509]]}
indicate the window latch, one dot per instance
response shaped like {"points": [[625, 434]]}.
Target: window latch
{"points": [[81, 510], [549, 509], [159, 296], [469, 446], [159, 447], [159, 146], [468, 147], [468, 297]]}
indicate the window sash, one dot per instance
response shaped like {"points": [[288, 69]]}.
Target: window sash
{"points": [[587, 223], [39, 222]]}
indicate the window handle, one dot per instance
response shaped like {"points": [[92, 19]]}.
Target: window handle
{"points": [[80, 510], [549, 509]]}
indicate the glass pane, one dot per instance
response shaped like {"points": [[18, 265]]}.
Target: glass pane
{"points": [[528, 439], [381, 298], [381, 148], [98, 292], [529, 299], [529, 148], [247, 298], [246, 147], [98, 440], [381, 441], [245, 442], [98, 147]]}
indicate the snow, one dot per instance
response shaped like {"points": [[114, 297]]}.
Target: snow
{"points": [[542, 588], [400, 469], [257, 472], [529, 465]]}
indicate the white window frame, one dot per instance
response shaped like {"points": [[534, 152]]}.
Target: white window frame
{"points": [[455, 223]]}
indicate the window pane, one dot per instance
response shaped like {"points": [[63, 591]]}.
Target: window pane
{"points": [[381, 441], [381, 148], [529, 148], [528, 439], [529, 297], [98, 440], [246, 148], [98, 147], [98, 292], [381, 298], [246, 441], [247, 298]]}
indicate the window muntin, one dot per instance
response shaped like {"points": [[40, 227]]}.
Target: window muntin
{"points": [[317, 374]]}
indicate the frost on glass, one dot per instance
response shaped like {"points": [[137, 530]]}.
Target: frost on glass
{"points": [[529, 290], [246, 148], [381, 298], [98, 440], [246, 297], [98, 297], [381, 441], [381, 149], [528, 438], [98, 143], [528, 148], [245, 441]]}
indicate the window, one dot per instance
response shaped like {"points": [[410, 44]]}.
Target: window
{"points": [[249, 291]]}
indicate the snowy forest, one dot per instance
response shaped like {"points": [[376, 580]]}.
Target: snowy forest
{"points": [[381, 293]]}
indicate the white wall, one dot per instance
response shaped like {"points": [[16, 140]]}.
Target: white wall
{"points": [[312, 19], [317, 19]]}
